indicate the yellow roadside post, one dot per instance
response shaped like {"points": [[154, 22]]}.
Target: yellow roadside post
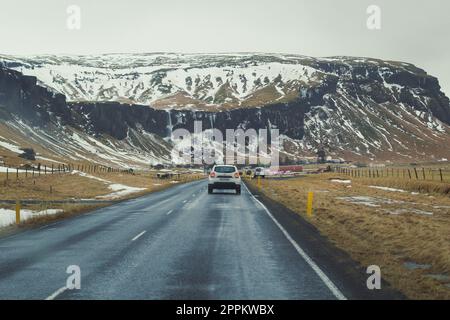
{"points": [[309, 204], [259, 182], [17, 212]]}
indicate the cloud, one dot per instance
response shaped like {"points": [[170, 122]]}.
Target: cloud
{"points": [[415, 32]]}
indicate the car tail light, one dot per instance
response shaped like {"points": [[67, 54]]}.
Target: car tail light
{"points": [[212, 174], [236, 175]]}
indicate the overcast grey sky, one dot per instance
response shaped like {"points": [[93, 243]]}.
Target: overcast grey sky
{"points": [[411, 31]]}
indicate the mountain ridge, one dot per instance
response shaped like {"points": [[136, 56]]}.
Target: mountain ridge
{"points": [[360, 109]]}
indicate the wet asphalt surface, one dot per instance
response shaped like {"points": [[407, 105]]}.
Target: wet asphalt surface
{"points": [[180, 243]]}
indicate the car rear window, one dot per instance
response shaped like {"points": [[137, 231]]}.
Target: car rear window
{"points": [[224, 169]]}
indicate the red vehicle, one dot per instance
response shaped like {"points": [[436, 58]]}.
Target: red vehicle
{"points": [[293, 168]]}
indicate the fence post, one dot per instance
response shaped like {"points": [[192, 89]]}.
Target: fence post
{"points": [[309, 205], [415, 172], [440, 172], [17, 212], [423, 173]]}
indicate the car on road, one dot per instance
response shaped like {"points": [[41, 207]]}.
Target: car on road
{"points": [[259, 172], [224, 177]]}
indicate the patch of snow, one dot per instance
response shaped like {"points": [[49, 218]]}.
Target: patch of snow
{"points": [[341, 181], [10, 170], [411, 265], [416, 211], [10, 147], [119, 190], [8, 217], [387, 189], [369, 201]]}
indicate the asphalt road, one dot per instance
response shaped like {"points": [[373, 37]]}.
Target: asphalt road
{"points": [[180, 243]]}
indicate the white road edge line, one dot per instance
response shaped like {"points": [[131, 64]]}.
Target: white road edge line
{"points": [[336, 292], [56, 293], [169, 212], [139, 235]]}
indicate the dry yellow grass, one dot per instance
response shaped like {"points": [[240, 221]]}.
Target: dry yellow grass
{"points": [[63, 186], [69, 186], [74, 186], [69, 210], [372, 234]]}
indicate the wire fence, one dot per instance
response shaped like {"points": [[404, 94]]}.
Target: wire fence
{"points": [[17, 173], [413, 173]]}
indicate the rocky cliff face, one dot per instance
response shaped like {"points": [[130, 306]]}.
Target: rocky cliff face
{"points": [[22, 96], [116, 119], [31, 116], [355, 108]]}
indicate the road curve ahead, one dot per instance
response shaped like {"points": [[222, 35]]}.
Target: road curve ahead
{"points": [[180, 243]]}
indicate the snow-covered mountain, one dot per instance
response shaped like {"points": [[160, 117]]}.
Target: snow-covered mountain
{"points": [[172, 80], [354, 108]]}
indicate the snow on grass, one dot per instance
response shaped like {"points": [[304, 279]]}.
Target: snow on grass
{"points": [[8, 217], [369, 201], [341, 181], [10, 170], [407, 210], [362, 200], [46, 159], [378, 202], [119, 190], [387, 189], [10, 147]]}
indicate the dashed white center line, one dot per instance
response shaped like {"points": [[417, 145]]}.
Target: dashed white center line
{"points": [[169, 212], [138, 236], [184, 201]]}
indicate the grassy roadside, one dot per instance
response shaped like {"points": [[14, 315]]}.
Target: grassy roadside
{"points": [[406, 234], [69, 187]]}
